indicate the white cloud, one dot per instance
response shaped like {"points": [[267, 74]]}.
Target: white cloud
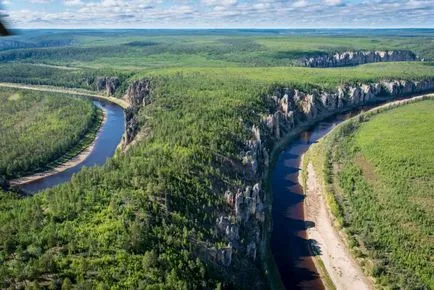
{"points": [[226, 13], [300, 4], [40, 1], [73, 2], [333, 2], [219, 2]]}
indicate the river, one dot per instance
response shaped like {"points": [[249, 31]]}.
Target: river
{"points": [[109, 137], [289, 244]]}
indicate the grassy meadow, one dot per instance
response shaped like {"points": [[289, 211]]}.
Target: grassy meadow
{"points": [[381, 174]]}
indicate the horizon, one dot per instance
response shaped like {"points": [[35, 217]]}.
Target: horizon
{"points": [[231, 28], [213, 14]]}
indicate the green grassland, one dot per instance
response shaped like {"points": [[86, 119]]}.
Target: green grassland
{"points": [[137, 50], [381, 174], [37, 129], [145, 219]]}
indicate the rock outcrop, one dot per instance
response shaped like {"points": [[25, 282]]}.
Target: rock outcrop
{"points": [[351, 58], [137, 95], [107, 84], [289, 109]]}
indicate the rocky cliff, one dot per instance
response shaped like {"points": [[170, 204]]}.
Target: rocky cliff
{"points": [[351, 58], [137, 95], [289, 109], [241, 225], [107, 84]]}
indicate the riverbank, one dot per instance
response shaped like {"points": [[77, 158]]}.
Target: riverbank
{"points": [[73, 157], [339, 265], [270, 267], [79, 92], [327, 237]]}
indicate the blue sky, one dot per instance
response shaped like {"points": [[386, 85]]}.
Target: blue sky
{"points": [[218, 13]]}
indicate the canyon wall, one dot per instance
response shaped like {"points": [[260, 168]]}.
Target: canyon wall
{"points": [[351, 58], [289, 109], [137, 95], [242, 225], [107, 84]]}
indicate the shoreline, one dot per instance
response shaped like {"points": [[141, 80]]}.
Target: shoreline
{"points": [[120, 102], [270, 267], [74, 161], [339, 266]]}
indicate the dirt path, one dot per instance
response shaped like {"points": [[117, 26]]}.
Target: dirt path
{"points": [[341, 267], [64, 166]]}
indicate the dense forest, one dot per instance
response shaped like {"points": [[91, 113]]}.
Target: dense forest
{"points": [[380, 171], [37, 128], [136, 50], [147, 219]]}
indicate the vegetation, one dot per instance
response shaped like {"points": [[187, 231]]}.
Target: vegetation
{"points": [[147, 218], [38, 128], [380, 171], [138, 50]]}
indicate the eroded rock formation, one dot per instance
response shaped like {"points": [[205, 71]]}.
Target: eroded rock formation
{"points": [[351, 58], [107, 84], [289, 109], [241, 225], [137, 95]]}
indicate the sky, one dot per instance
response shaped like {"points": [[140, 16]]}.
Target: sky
{"points": [[218, 13]]}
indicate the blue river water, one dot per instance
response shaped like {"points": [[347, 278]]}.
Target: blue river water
{"points": [[289, 242], [108, 139]]}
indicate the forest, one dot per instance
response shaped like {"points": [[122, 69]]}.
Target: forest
{"points": [[147, 218], [38, 128], [379, 170]]}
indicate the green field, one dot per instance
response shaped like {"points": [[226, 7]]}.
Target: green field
{"points": [[39, 128], [135, 50], [147, 218], [381, 173]]}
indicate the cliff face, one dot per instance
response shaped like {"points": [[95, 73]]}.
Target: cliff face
{"points": [[107, 84], [289, 109], [242, 224], [351, 58], [137, 95]]}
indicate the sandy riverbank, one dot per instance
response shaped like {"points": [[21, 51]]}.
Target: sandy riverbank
{"points": [[64, 166], [342, 269]]}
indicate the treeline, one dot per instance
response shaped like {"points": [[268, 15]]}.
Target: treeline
{"points": [[61, 77], [147, 219], [383, 193], [37, 128]]}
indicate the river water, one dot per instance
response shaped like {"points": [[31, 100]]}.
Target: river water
{"points": [[289, 243], [108, 139]]}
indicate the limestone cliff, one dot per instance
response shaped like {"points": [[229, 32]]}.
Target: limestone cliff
{"points": [[107, 84], [137, 95], [351, 58], [289, 110], [241, 223]]}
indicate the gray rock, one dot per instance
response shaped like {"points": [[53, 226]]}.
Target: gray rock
{"points": [[109, 84], [351, 58], [138, 93]]}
